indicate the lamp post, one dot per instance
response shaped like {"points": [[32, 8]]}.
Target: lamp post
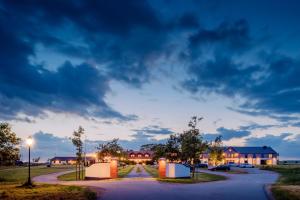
{"points": [[29, 142]]}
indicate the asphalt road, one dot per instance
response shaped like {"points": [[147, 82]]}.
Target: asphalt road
{"points": [[238, 186]]}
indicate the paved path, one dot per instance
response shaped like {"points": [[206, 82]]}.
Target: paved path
{"points": [[238, 186], [135, 174]]}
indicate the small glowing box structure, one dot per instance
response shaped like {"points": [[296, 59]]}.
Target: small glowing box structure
{"points": [[102, 170], [98, 170], [175, 170]]}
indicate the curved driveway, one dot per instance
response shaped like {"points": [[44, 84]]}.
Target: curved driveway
{"points": [[236, 187]]}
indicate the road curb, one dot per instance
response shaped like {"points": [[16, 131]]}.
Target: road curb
{"points": [[268, 193]]}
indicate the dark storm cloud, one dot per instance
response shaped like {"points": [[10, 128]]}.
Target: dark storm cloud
{"points": [[154, 130], [220, 75], [227, 134], [288, 148], [29, 88], [110, 33], [124, 41], [233, 37], [270, 87], [188, 20]]}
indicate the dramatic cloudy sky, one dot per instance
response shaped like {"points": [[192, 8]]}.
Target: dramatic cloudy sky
{"points": [[138, 70]]}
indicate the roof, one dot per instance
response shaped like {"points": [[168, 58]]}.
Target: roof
{"points": [[140, 152], [70, 158], [253, 150], [250, 150]]}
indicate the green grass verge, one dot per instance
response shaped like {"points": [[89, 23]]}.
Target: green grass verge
{"points": [[13, 191], [288, 175], [122, 172], [151, 170], [138, 170], [198, 178], [286, 192], [20, 174], [288, 184], [69, 176]]}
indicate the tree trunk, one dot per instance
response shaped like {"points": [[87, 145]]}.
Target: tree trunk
{"points": [[76, 171], [82, 171], [79, 171], [193, 171]]}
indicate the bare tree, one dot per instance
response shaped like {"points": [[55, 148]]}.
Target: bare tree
{"points": [[77, 142]]}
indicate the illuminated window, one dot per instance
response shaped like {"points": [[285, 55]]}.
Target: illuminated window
{"points": [[139, 155], [146, 155], [132, 155], [269, 162], [270, 156]]}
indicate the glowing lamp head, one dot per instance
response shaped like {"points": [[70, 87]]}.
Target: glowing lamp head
{"points": [[29, 141]]}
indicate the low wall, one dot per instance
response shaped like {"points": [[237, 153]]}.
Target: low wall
{"points": [[98, 171], [175, 170]]}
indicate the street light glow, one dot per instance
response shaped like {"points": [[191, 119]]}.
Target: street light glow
{"points": [[29, 141]]}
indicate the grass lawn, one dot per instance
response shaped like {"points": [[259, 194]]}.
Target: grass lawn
{"points": [[20, 174], [13, 191], [286, 192], [138, 170], [69, 176], [288, 185], [199, 177], [151, 170], [122, 172]]}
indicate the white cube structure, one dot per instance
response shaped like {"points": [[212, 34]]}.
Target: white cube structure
{"points": [[98, 171], [175, 170]]}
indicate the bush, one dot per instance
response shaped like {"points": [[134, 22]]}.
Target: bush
{"points": [[149, 162]]}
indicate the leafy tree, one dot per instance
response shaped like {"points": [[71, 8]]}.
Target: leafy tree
{"points": [[77, 142], [9, 152], [158, 150], [172, 148], [191, 143], [216, 155], [111, 148]]}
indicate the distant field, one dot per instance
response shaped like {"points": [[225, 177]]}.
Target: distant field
{"points": [[199, 177], [288, 185], [20, 174]]}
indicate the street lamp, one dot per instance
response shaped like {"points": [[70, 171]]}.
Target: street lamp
{"points": [[29, 142]]}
